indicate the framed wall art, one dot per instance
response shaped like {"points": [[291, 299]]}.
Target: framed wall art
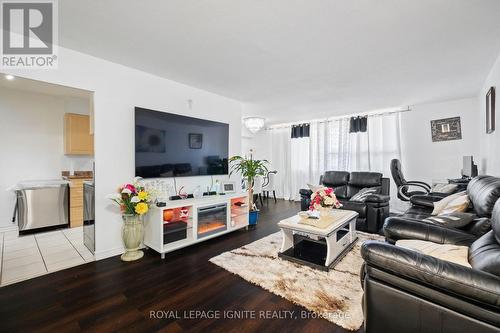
{"points": [[490, 110], [446, 129]]}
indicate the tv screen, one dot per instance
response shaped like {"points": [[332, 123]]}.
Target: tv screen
{"points": [[170, 145]]}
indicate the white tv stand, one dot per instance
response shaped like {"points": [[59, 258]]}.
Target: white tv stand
{"points": [[168, 228]]}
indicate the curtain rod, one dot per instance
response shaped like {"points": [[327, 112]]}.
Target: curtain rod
{"points": [[330, 119]]}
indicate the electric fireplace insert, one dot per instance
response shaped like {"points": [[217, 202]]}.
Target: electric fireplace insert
{"points": [[212, 220]]}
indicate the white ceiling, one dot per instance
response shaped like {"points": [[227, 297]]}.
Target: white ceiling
{"points": [[40, 87], [294, 59]]}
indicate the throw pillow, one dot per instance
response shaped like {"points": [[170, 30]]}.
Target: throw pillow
{"points": [[364, 193], [460, 204], [441, 204], [315, 188], [453, 220], [444, 188], [453, 253]]}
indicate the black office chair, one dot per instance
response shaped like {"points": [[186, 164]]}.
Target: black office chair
{"points": [[403, 185]]}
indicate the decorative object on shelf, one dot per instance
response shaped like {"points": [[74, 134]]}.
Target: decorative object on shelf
{"points": [[184, 213], [182, 194], [228, 187], [254, 124], [490, 110], [195, 140], [324, 200], [168, 215], [198, 192], [446, 129], [134, 202], [249, 169]]}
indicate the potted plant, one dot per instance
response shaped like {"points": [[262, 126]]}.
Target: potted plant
{"points": [[249, 169], [134, 203]]}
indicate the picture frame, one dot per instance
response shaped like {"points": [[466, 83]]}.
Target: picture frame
{"points": [[228, 187], [195, 140], [446, 129], [490, 110]]}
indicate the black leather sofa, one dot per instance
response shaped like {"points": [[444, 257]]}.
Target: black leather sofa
{"points": [[483, 191], [372, 212], [405, 291]]}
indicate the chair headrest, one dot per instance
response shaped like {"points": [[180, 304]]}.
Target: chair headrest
{"points": [[484, 192], [335, 178], [365, 179]]}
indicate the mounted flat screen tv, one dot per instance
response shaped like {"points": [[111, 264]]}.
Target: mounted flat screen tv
{"points": [[170, 145]]}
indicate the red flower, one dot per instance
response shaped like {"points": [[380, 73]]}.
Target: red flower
{"points": [[130, 187]]}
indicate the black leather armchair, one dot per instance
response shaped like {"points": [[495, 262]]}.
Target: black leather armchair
{"points": [[372, 212], [404, 186], [405, 291]]}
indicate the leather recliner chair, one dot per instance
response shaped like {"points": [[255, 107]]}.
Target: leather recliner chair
{"points": [[372, 212], [406, 291], [483, 192]]}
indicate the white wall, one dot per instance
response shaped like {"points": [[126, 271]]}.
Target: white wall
{"points": [[490, 143], [259, 143], [118, 89], [32, 141], [425, 160]]}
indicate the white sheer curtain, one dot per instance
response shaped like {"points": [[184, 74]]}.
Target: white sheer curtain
{"points": [[331, 147]]}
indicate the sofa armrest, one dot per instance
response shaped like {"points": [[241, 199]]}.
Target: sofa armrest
{"points": [[377, 198], [424, 200], [447, 277], [305, 192], [396, 228]]}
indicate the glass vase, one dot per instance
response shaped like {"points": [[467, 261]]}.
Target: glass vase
{"points": [[132, 235]]}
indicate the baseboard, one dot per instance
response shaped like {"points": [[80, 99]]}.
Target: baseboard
{"points": [[7, 228], [109, 253]]}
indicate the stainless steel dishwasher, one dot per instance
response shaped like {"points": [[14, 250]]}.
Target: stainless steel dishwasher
{"points": [[42, 204]]}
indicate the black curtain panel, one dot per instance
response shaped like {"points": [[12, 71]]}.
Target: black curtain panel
{"points": [[300, 131], [358, 124]]}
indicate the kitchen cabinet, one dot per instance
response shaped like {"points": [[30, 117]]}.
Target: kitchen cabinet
{"points": [[77, 137], [76, 201]]}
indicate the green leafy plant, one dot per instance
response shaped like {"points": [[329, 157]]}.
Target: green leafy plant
{"points": [[249, 169]]}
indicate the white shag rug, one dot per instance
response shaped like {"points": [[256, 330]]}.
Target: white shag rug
{"points": [[335, 295]]}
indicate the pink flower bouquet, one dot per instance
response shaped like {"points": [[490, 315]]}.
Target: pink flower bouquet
{"points": [[324, 198]]}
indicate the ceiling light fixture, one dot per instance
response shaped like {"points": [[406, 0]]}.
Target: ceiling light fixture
{"points": [[9, 77], [254, 124]]}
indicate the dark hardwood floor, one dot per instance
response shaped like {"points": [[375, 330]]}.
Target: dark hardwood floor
{"points": [[109, 295]]}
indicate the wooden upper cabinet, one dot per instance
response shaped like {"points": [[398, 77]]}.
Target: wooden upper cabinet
{"points": [[77, 137]]}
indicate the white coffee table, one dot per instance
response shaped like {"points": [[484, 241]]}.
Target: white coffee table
{"points": [[320, 248]]}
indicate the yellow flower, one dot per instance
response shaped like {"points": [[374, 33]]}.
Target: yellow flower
{"points": [[141, 208], [143, 196]]}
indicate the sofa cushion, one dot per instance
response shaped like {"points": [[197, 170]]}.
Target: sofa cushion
{"points": [[452, 253], [483, 192], [365, 179], [484, 254], [460, 204], [440, 205], [453, 220], [359, 207]]}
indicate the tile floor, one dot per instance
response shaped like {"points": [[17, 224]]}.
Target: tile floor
{"points": [[25, 257]]}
